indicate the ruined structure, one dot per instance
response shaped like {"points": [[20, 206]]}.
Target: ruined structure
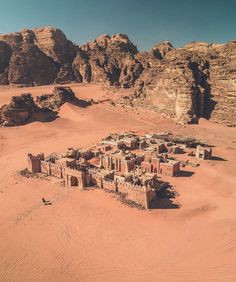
{"points": [[124, 163], [203, 153], [197, 80]]}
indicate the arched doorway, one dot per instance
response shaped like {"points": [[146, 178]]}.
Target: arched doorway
{"points": [[74, 181]]}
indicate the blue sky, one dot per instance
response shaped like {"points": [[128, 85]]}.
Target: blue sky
{"points": [[146, 22]]}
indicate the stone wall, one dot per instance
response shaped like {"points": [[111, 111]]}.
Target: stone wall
{"points": [[46, 167], [109, 185], [169, 169], [80, 179], [78, 176], [140, 195], [56, 170]]}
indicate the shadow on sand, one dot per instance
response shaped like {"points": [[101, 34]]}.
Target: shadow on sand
{"points": [[185, 173], [214, 158], [45, 115], [165, 199], [81, 103]]}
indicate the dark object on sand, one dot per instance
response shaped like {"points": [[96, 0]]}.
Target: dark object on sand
{"points": [[46, 202]]}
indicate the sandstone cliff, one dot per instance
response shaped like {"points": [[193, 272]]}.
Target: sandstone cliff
{"points": [[197, 80], [39, 56], [109, 60]]}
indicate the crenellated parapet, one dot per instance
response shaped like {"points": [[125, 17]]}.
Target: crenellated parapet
{"points": [[141, 195], [56, 170], [46, 167]]}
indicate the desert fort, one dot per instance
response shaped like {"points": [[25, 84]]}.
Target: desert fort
{"points": [[123, 163], [116, 164]]}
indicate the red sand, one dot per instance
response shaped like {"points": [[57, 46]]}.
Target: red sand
{"points": [[90, 236]]}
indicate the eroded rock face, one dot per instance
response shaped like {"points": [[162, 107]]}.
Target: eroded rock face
{"points": [[31, 66], [54, 44], [222, 78], [175, 85], [111, 60], [39, 56], [197, 80], [45, 56], [159, 50]]}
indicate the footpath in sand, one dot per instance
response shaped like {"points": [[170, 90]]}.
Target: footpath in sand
{"points": [[89, 235]]}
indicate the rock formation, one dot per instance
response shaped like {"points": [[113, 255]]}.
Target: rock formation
{"points": [[23, 109], [38, 56], [109, 60], [197, 80], [18, 111], [55, 100]]}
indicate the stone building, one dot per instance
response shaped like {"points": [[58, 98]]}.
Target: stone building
{"points": [[81, 177], [203, 153], [157, 165], [127, 164]]}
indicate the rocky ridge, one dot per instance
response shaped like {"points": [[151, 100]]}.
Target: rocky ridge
{"points": [[197, 80]]}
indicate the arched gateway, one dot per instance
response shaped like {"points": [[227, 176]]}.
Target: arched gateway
{"points": [[74, 181]]}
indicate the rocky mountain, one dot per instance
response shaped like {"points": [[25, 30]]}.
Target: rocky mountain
{"points": [[109, 59], [39, 56], [197, 80]]}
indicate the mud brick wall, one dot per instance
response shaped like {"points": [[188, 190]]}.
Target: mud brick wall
{"points": [[138, 195], [166, 169], [56, 171], [122, 187], [109, 185], [45, 167]]}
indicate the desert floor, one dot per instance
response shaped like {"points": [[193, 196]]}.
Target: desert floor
{"points": [[90, 235]]}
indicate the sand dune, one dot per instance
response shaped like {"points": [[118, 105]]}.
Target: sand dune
{"points": [[90, 236]]}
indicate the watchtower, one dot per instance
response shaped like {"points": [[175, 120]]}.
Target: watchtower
{"points": [[34, 163]]}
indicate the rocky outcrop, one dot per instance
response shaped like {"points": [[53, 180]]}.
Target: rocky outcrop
{"points": [[18, 111], [159, 50], [187, 83], [31, 66], [39, 56], [23, 109], [55, 100], [197, 80], [175, 85], [111, 60], [55, 45], [222, 79]]}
